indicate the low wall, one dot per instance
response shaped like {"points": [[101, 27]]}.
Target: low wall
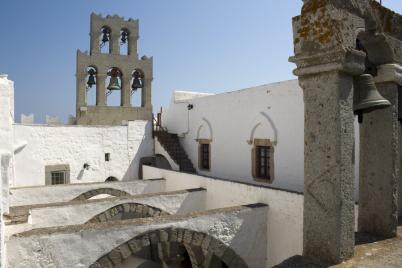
{"points": [[24, 196], [79, 212], [285, 214], [241, 232], [72, 145]]}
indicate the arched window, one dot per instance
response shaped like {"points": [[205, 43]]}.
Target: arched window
{"points": [[113, 86], [124, 33], [137, 84], [90, 97], [105, 40]]}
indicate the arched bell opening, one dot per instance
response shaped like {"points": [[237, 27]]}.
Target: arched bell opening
{"points": [[90, 94], [113, 84], [137, 85], [104, 44], [124, 42], [367, 98]]}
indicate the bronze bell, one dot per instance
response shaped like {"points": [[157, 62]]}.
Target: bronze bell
{"points": [[91, 78], [124, 36], [137, 82], [114, 84], [366, 96], [105, 37], [114, 81]]}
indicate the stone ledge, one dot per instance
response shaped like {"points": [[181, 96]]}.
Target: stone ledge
{"points": [[142, 221], [21, 210], [350, 61], [389, 73], [85, 184]]}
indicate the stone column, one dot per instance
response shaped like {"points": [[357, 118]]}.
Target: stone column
{"points": [[95, 42], [379, 163], [328, 232], [81, 91], [100, 90], [115, 43], [146, 93], [132, 45], [126, 91]]}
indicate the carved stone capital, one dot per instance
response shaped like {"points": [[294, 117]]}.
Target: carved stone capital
{"points": [[389, 73], [343, 60]]}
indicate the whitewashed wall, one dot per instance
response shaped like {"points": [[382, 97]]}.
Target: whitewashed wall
{"points": [[76, 145], [6, 153], [285, 213], [232, 119]]}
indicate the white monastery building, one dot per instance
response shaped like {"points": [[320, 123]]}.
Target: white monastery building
{"points": [[214, 180], [236, 126]]}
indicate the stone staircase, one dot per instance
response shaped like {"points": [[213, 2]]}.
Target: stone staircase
{"points": [[170, 142]]}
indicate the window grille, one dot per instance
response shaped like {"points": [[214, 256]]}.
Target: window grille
{"points": [[205, 156], [262, 162], [58, 177]]}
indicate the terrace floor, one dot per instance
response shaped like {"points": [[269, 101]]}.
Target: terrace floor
{"points": [[385, 253]]}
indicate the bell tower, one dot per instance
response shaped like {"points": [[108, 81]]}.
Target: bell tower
{"points": [[108, 70]]}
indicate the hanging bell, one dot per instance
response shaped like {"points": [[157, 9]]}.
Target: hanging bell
{"points": [[137, 82], [114, 84], [105, 37], [366, 96], [91, 79], [124, 36]]}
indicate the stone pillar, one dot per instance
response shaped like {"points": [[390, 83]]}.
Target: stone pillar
{"points": [[381, 161], [400, 160], [81, 90], [132, 45], [146, 93], [379, 165], [95, 42], [126, 91], [328, 232], [115, 43], [100, 90]]}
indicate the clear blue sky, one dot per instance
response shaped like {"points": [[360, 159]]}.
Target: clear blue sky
{"points": [[208, 45]]}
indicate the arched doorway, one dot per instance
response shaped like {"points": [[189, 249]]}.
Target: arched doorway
{"points": [[111, 179], [172, 247]]}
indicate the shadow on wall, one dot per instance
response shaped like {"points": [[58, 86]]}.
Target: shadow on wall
{"points": [[142, 151], [258, 250], [193, 202]]}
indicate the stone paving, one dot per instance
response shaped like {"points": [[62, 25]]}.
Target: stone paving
{"points": [[381, 254]]}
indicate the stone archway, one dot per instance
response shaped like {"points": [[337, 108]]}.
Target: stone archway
{"points": [[328, 61], [111, 179], [101, 191], [127, 211], [163, 244]]}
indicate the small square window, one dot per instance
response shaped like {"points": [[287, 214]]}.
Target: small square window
{"points": [[58, 177], [57, 174], [107, 157]]}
